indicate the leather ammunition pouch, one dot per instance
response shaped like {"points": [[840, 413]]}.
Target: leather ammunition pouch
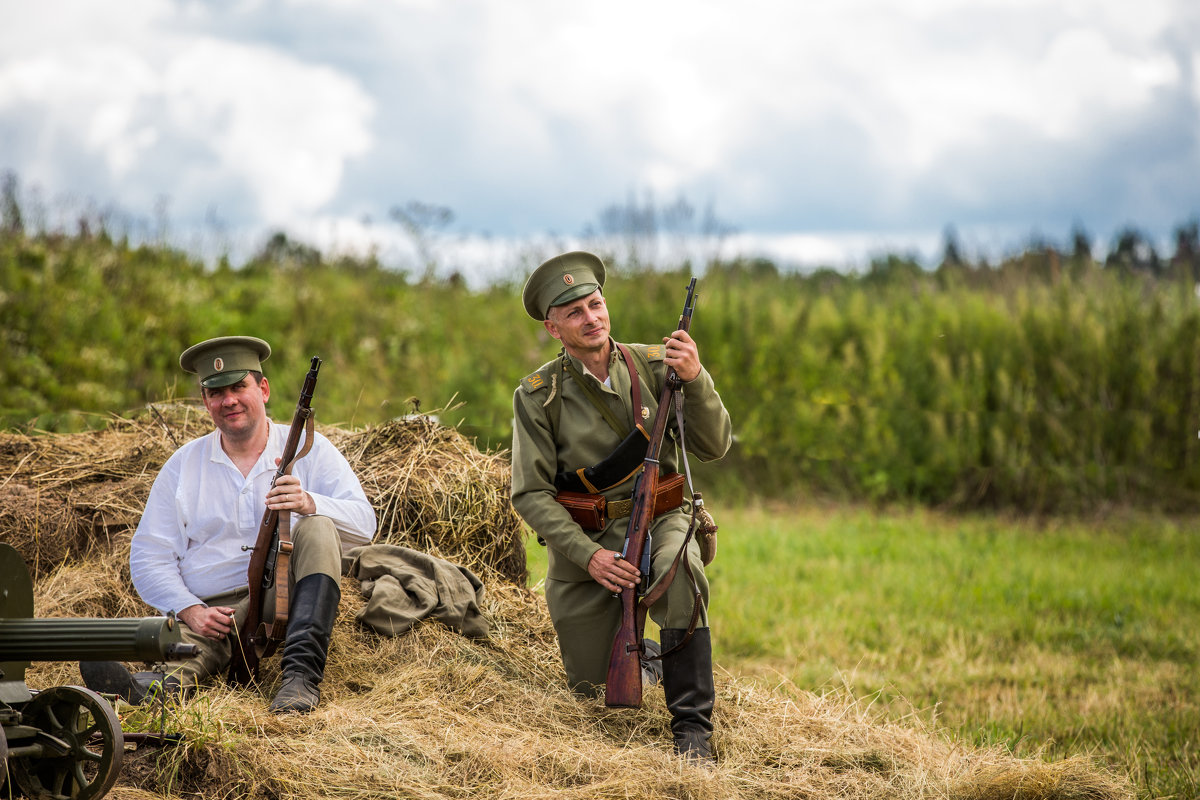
{"points": [[593, 512]]}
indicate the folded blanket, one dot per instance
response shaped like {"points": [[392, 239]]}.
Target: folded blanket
{"points": [[404, 586]]}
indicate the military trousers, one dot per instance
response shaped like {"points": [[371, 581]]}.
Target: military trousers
{"points": [[586, 616], [316, 548]]}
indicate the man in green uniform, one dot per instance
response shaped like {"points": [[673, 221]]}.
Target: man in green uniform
{"points": [[572, 413]]}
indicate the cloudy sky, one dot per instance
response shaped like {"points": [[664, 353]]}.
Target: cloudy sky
{"points": [[820, 131]]}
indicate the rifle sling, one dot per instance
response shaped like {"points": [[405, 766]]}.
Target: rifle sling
{"points": [[654, 595]]}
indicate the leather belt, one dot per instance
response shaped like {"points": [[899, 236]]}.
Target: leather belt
{"points": [[619, 508], [668, 498]]}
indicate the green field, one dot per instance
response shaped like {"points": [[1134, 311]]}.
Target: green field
{"points": [[1048, 637]]}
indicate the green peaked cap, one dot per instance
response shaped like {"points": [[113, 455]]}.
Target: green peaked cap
{"points": [[560, 280], [225, 360]]}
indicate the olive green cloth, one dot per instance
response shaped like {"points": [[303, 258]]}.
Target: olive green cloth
{"points": [[581, 438], [584, 613], [560, 280], [404, 586], [225, 360]]}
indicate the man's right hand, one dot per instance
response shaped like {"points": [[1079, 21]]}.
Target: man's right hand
{"points": [[211, 621], [611, 571]]}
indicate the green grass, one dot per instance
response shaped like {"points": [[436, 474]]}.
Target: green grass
{"points": [[1048, 637]]}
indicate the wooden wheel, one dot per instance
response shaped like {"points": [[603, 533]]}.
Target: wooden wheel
{"points": [[4, 765], [82, 745]]}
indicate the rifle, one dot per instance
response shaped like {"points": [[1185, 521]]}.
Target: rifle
{"points": [[258, 638], [624, 681]]}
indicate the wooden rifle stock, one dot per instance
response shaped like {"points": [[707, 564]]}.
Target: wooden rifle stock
{"points": [[270, 554], [623, 686]]}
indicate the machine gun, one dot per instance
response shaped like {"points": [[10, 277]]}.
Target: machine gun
{"points": [[65, 741]]}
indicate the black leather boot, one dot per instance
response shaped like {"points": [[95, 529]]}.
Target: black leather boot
{"points": [[688, 684], [310, 622]]}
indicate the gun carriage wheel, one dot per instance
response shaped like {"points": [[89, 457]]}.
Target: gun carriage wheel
{"points": [[4, 765], [80, 741]]}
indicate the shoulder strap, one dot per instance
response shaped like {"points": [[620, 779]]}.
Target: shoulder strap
{"points": [[644, 353], [548, 377], [635, 385]]}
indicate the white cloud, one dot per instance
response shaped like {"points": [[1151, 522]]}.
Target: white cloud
{"points": [[836, 116], [286, 127], [246, 115]]}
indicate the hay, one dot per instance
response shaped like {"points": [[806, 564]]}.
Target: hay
{"points": [[433, 491], [60, 495], [434, 715]]}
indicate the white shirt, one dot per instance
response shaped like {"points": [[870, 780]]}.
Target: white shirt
{"points": [[201, 511]]}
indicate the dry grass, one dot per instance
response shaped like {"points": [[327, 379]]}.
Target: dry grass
{"points": [[433, 491], [434, 715]]}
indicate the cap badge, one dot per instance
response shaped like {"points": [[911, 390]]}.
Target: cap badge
{"points": [[569, 280], [218, 363]]}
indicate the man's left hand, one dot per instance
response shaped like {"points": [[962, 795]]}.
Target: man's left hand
{"points": [[288, 495], [682, 355]]}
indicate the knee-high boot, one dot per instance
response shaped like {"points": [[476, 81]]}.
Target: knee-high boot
{"points": [[688, 684], [310, 622]]}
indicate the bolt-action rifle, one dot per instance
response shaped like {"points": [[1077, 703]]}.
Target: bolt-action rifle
{"points": [[258, 638], [624, 682]]}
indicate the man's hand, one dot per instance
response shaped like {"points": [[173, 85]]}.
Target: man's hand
{"points": [[288, 495], [611, 571], [682, 355], [211, 621]]}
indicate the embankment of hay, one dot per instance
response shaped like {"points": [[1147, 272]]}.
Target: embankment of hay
{"points": [[432, 714]]}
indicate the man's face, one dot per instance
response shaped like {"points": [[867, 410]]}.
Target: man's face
{"points": [[581, 325], [238, 410]]}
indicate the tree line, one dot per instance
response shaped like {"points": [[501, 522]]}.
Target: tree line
{"points": [[1049, 381]]}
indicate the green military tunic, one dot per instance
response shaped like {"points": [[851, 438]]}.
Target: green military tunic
{"points": [[585, 614]]}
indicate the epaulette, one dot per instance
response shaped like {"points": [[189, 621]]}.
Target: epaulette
{"points": [[652, 352], [540, 379]]}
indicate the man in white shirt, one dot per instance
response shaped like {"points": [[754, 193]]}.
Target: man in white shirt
{"points": [[190, 552]]}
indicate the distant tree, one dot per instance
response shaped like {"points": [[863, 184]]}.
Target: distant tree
{"points": [[1081, 244], [281, 251], [642, 234], [951, 250], [1186, 260], [423, 222], [630, 230], [1133, 252], [11, 223]]}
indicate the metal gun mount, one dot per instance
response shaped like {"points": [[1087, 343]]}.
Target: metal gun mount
{"points": [[65, 741]]}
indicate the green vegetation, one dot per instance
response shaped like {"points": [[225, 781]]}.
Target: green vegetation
{"points": [[1049, 637], [1046, 383]]}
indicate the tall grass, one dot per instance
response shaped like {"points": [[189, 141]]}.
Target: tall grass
{"points": [[1031, 385]]}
